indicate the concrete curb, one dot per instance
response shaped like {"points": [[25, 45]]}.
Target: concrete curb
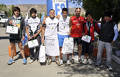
{"points": [[116, 59]]}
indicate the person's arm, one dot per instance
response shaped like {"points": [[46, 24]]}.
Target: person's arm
{"points": [[58, 16], [27, 31], [9, 22], [43, 31], [39, 30], [116, 32], [23, 28], [70, 25], [97, 27], [84, 29]]}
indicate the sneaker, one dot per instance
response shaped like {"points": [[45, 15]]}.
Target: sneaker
{"points": [[79, 60], [42, 63], [11, 61], [82, 58], [90, 61], [49, 61], [61, 62], [102, 67], [97, 67], [109, 68], [58, 62], [84, 61], [68, 62], [76, 59], [31, 61], [24, 61], [72, 61]]}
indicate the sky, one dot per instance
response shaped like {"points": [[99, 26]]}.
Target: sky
{"points": [[15, 2]]}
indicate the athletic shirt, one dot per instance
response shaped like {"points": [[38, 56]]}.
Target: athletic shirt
{"points": [[77, 26], [64, 26], [18, 22], [51, 27], [33, 23]]}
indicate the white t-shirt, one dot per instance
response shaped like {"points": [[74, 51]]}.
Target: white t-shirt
{"points": [[51, 27], [64, 26], [33, 23], [51, 39]]}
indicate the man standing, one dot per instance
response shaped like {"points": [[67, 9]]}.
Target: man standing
{"points": [[90, 26], [33, 30], [108, 35], [51, 39], [76, 26], [63, 32]]}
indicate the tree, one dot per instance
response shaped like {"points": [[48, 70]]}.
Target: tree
{"points": [[10, 10], [78, 2], [98, 7], [7, 11], [2, 7]]}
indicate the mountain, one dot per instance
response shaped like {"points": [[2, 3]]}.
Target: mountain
{"points": [[40, 8]]}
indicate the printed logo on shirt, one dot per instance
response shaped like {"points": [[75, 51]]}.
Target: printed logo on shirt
{"points": [[52, 23], [16, 23], [75, 21]]}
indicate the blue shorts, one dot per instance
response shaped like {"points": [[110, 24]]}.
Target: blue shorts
{"points": [[61, 39]]}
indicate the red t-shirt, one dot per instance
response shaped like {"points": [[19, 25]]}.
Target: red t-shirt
{"points": [[76, 26]]}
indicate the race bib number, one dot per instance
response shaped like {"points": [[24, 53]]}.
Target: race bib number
{"points": [[33, 43], [12, 30], [16, 23], [86, 38]]}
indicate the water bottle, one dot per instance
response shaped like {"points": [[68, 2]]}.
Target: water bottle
{"points": [[25, 40]]}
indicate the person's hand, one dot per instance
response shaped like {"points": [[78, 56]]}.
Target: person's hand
{"points": [[29, 38], [42, 40], [34, 36], [10, 22], [112, 42], [68, 33], [23, 37], [83, 34]]}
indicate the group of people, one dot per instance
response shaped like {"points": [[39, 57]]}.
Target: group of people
{"points": [[54, 29]]}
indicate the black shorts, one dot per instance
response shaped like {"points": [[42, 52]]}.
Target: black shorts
{"points": [[77, 40], [14, 38], [87, 48]]}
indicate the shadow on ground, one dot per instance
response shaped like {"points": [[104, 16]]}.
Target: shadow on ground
{"points": [[4, 37], [89, 70]]}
